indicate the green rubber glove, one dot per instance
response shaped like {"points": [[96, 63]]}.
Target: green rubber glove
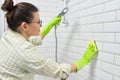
{"points": [[55, 21], [88, 55]]}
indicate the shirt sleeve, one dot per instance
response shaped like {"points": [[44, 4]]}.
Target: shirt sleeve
{"points": [[35, 63]]}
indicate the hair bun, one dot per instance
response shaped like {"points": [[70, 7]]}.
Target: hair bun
{"points": [[7, 5]]}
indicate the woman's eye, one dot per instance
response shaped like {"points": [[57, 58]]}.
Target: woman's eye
{"points": [[40, 22]]}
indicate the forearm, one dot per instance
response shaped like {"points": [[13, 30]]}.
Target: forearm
{"points": [[47, 28], [81, 63]]}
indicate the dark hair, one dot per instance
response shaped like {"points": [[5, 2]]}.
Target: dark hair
{"points": [[21, 12]]}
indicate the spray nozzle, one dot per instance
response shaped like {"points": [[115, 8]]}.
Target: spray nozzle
{"points": [[63, 12]]}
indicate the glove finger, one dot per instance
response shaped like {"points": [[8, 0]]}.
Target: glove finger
{"points": [[90, 46], [93, 49], [92, 43], [59, 20]]}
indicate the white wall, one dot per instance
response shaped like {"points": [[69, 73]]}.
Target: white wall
{"points": [[98, 20], [89, 19], [1, 19]]}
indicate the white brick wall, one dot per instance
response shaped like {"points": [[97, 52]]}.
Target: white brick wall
{"points": [[116, 78], [89, 19], [1, 19], [98, 20], [117, 60]]}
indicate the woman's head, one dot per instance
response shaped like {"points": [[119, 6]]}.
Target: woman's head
{"points": [[22, 17]]}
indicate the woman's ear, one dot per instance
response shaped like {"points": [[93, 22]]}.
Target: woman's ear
{"points": [[24, 26]]}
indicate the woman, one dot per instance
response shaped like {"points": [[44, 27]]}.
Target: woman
{"points": [[19, 59]]}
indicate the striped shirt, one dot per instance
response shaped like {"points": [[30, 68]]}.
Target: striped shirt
{"points": [[20, 60]]}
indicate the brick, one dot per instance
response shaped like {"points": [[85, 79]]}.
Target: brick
{"points": [[75, 8], [117, 60], [86, 20], [76, 14], [85, 36], [105, 17], [112, 27], [78, 43], [118, 15], [111, 48], [86, 4], [110, 68], [104, 37], [113, 5], [103, 75], [117, 37], [91, 28], [94, 64], [75, 2], [98, 64], [84, 74], [116, 78], [94, 10], [106, 57], [101, 1], [97, 18], [110, 16]]}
